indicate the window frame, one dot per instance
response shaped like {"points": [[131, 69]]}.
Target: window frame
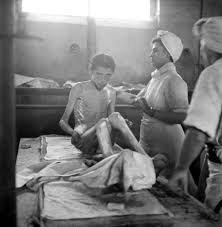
{"points": [[81, 20]]}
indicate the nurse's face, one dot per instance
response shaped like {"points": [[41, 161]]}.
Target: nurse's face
{"points": [[101, 76], [158, 55]]}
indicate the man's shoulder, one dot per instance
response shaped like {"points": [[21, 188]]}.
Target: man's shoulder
{"points": [[81, 85], [109, 88], [110, 91]]}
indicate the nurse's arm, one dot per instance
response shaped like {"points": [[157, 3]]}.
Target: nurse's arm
{"points": [[142, 92], [176, 97], [128, 98], [169, 117]]}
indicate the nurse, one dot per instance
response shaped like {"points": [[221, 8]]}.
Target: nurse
{"points": [[164, 102]]}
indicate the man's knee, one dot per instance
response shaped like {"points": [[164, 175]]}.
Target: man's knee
{"points": [[115, 118], [101, 122]]}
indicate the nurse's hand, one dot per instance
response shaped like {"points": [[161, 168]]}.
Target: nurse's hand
{"points": [[142, 104], [137, 102]]}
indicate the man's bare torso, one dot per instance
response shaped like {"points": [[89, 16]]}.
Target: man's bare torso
{"points": [[91, 104]]}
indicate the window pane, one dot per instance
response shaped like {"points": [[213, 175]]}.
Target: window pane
{"points": [[121, 9], [56, 7]]}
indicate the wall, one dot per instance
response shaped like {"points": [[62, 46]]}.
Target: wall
{"points": [[130, 47], [52, 58], [179, 17]]}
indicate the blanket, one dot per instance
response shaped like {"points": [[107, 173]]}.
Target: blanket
{"points": [[128, 168], [74, 200], [58, 148]]}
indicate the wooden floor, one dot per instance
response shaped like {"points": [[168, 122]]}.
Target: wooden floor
{"points": [[186, 210]]}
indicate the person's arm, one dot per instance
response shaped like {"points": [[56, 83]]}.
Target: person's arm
{"points": [[192, 146], [64, 121], [176, 97], [125, 97], [142, 92], [128, 98], [169, 117], [112, 102]]}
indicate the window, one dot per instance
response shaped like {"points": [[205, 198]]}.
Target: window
{"points": [[56, 7], [121, 9], [116, 10]]}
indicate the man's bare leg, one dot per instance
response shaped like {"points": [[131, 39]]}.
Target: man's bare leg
{"points": [[103, 131], [88, 142], [118, 122]]}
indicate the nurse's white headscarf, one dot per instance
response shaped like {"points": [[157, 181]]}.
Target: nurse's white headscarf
{"points": [[172, 43], [210, 31]]}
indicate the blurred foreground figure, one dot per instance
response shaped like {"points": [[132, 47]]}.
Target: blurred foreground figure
{"points": [[204, 115]]}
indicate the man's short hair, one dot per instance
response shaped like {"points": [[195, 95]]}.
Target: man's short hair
{"points": [[102, 60], [158, 40]]}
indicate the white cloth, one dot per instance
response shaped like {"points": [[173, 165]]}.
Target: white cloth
{"points": [[205, 108], [60, 147], [172, 43], [73, 200], [36, 174], [131, 169], [210, 30]]}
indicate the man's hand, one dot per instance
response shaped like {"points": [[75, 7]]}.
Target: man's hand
{"points": [[76, 138]]}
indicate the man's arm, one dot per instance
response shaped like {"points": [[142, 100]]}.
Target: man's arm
{"points": [[192, 146], [64, 122], [112, 102]]}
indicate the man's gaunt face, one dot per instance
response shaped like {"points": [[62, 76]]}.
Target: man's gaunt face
{"points": [[158, 55], [101, 76]]}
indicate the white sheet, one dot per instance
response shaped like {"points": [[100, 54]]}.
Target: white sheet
{"points": [[60, 148], [73, 200]]}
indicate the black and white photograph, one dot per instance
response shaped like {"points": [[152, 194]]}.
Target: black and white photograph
{"points": [[111, 113]]}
